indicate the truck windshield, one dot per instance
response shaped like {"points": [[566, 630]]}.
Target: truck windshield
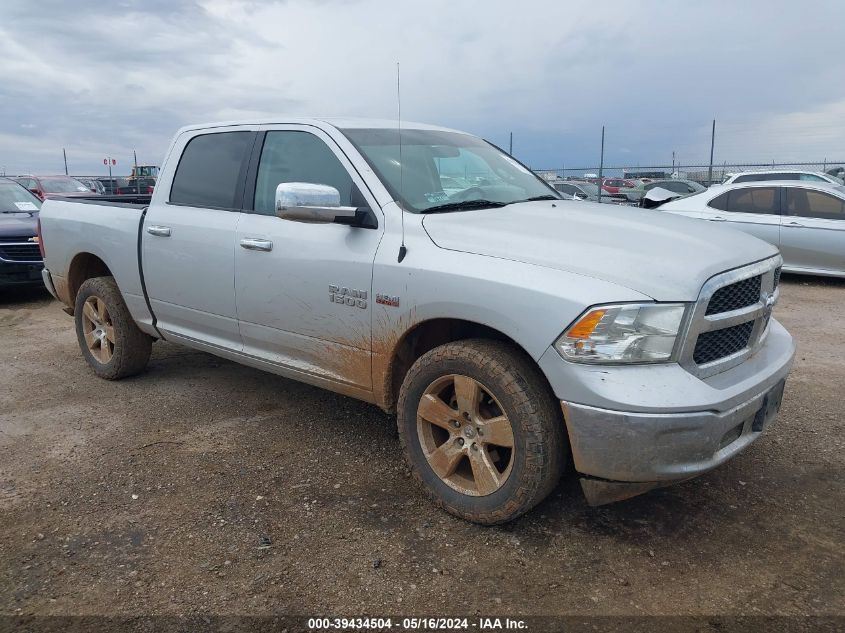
{"points": [[444, 170], [14, 199]]}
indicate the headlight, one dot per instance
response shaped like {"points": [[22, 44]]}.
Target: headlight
{"points": [[631, 333]]}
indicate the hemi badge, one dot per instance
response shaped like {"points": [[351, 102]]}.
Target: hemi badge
{"points": [[387, 300]]}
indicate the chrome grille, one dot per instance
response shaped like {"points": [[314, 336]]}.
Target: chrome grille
{"points": [[728, 322], [20, 252], [718, 344], [735, 296]]}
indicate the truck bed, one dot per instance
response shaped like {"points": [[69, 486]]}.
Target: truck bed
{"points": [[105, 228]]}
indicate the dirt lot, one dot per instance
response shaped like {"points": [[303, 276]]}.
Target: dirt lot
{"points": [[204, 486]]}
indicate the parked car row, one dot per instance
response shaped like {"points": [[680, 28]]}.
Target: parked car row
{"points": [[94, 185], [629, 184], [621, 193], [583, 190], [118, 186], [801, 212], [66, 186], [52, 186], [678, 186]]}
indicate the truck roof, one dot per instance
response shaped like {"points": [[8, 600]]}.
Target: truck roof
{"points": [[337, 122]]}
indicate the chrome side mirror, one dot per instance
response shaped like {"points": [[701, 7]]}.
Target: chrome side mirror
{"points": [[308, 202]]}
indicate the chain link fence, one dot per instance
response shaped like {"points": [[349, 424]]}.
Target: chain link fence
{"points": [[700, 173]]}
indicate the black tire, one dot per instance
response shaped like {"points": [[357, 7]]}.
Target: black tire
{"points": [[540, 446], [130, 349]]}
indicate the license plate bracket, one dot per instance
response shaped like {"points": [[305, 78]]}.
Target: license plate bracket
{"points": [[770, 407]]}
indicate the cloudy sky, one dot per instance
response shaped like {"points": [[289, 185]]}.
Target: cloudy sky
{"points": [[103, 78]]}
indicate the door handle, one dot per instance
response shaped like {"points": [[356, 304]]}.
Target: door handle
{"points": [[795, 224], [717, 218], [161, 231], [255, 244]]}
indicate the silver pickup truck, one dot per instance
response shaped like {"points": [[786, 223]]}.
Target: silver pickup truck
{"points": [[509, 329]]}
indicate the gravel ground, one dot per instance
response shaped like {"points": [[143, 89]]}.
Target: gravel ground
{"points": [[203, 486]]}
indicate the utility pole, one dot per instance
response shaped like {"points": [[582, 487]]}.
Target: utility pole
{"points": [[601, 162], [510, 149], [137, 182], [712, 144], [64, 153]]}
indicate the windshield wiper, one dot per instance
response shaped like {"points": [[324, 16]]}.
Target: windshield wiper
{"points": [[547, 196], [463, 205]]}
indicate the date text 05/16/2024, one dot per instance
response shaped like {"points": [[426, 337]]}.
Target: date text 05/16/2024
{"points": [[417, 624]]}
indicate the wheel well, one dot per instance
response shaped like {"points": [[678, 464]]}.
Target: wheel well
{"points": [[84, 266], [423, 338]]}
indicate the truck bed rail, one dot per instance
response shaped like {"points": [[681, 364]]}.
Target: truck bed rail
{"points": [[134, 200]]}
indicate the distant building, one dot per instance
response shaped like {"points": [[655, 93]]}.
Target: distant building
{"points": [[645, 173], [700, 175]]}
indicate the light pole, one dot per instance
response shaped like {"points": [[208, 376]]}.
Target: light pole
{"points": [[601, 163]]}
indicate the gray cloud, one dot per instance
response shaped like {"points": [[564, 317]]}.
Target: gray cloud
{"points": [[106, 78]]}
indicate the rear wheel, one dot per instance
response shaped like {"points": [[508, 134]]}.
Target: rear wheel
{"points": [[111, 343], [481, 430]]}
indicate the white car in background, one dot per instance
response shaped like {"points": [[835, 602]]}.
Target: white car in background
{"points": [[806, 220], [782, 174]]}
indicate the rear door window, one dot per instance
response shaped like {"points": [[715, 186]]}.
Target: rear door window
{"points": [[209, 171], [719, 202], [809, 203], [763, 200]]}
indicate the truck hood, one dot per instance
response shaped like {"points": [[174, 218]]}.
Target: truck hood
{"points": [[663, 256], [18, 224]]}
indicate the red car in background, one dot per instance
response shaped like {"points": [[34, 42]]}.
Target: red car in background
{"points": [[54, 186], [612, 185]]}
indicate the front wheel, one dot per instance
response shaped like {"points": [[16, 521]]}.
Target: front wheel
{"points": [[481, 430], [111, 343]]}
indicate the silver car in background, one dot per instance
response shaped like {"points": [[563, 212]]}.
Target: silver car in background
{"points": [[782, 174], [806, 220]]}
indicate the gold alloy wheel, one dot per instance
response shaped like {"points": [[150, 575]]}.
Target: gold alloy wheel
{"points": [[98, 329], [465, 435]]}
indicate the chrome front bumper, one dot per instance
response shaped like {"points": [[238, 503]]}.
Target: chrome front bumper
{"points": [[649, 450], [632, 429]]}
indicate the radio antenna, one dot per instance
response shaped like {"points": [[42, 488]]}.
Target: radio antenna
{"points": [[402, 249]]}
